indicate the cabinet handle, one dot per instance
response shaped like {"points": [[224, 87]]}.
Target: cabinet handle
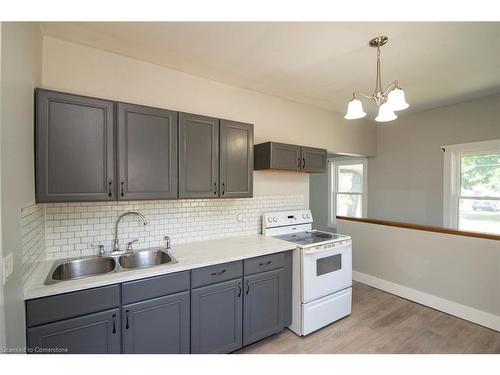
{"points": [[303, 163], [110, 184], [215, 188], [114, 323], [239, 290], [223, 188], [298, 165], [218, 273], [121, 187], [127, 325], [265, 263], [248, 288]]}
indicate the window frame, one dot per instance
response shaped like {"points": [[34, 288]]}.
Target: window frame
{"points": [[333, 164], [452, 173]]}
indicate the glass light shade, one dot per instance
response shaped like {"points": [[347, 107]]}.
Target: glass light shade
{"points": [[396, 100], [355, 110], [385, 113]]}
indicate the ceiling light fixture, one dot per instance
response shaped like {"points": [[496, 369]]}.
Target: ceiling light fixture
{"points": [[390, 100]]}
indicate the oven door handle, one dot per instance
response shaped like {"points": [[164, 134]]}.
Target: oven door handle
{"points": [[327, 252]]}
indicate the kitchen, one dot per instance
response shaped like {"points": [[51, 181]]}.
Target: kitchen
{"points": [[163, 209]]}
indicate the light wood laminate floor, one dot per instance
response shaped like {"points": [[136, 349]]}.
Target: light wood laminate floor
{"points": [[384, 323]]}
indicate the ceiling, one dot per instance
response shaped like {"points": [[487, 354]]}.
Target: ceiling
{"points": [[316, 63]]}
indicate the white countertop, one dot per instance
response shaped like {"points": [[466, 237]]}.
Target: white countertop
{"points": [[189, 256]]}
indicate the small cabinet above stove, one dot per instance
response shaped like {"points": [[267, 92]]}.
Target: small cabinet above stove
{"points": [[282, 156]]}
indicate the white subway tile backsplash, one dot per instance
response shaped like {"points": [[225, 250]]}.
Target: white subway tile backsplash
{"points": [[74, 229], [33, 237]]}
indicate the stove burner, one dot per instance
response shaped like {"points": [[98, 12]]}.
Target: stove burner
{"points": [[323, 235], [310, 237]]}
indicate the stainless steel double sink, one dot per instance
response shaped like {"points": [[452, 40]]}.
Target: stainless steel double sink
{"points": [[77, 268]]}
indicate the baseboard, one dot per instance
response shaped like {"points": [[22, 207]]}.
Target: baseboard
{"points": [[453, 308]]}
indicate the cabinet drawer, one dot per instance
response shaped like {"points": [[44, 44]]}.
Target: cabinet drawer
{"points": [[69, 305], [264, 263], [216, 274], [140, 290]]}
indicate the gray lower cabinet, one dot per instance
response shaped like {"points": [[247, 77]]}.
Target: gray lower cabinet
{"points": [[159, 325], [198, 156], [213, 309], [216, 318], [264, 303], [236, 159], [98, 333], [74, 149], [313, 160], [147, 152]]}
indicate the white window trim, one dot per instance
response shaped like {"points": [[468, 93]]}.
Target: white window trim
{"points": [[452, 155], [333, 163]]}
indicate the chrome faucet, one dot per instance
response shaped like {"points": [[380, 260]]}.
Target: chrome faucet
{"points": [[116, 246]]}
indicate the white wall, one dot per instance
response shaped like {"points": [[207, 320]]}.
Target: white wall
{"points": [[456, 274], [83, 70], [405, 179], [21, 72]]}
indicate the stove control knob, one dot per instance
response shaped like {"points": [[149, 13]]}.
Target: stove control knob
{"points": [[275, 219], [308, 216], [270, 219], [304, 216]]}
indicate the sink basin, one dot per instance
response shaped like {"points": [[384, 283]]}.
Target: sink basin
{"points": [[82, 267], [145, 258]]}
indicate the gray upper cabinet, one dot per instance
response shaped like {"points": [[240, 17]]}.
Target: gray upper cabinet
{"points": [[264, 304], [157, 326], [98, 333], [198, 156], [74, 148], [313, 159], [147, 152], [273, 155], [216, 318], [236, 159]]}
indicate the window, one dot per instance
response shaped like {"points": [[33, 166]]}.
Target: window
{"points": [[472, 187], [347, 180]]}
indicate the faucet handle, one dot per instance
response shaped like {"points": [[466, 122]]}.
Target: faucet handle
{"points": [[101, 249], [167, 242], [129, 244]]}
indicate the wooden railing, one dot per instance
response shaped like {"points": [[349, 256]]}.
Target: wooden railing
{"points": [[426, 228]]}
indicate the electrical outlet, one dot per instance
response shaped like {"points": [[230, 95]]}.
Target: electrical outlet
{"points": [[8, 267]]}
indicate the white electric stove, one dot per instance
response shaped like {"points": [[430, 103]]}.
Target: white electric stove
{"points": [[322, 270]]}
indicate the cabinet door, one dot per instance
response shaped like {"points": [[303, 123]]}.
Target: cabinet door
{"points": [[198, 156], [263, 306], [74, 148], [98, 333], [236, 159], [313, 159], [216, 318], [284, 156], [159, 325], [147, 152]]}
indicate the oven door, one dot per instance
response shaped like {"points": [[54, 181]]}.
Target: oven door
{"points": [[326, 269]]}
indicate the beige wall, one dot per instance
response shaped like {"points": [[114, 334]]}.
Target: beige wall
{"points": [[21, 72], [463, 270], [83, 70], [405, 179]]}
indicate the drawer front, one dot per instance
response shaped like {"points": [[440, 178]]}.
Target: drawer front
{"points": [[140, 290], [69, 305], [264, 263], [216, 274]]}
